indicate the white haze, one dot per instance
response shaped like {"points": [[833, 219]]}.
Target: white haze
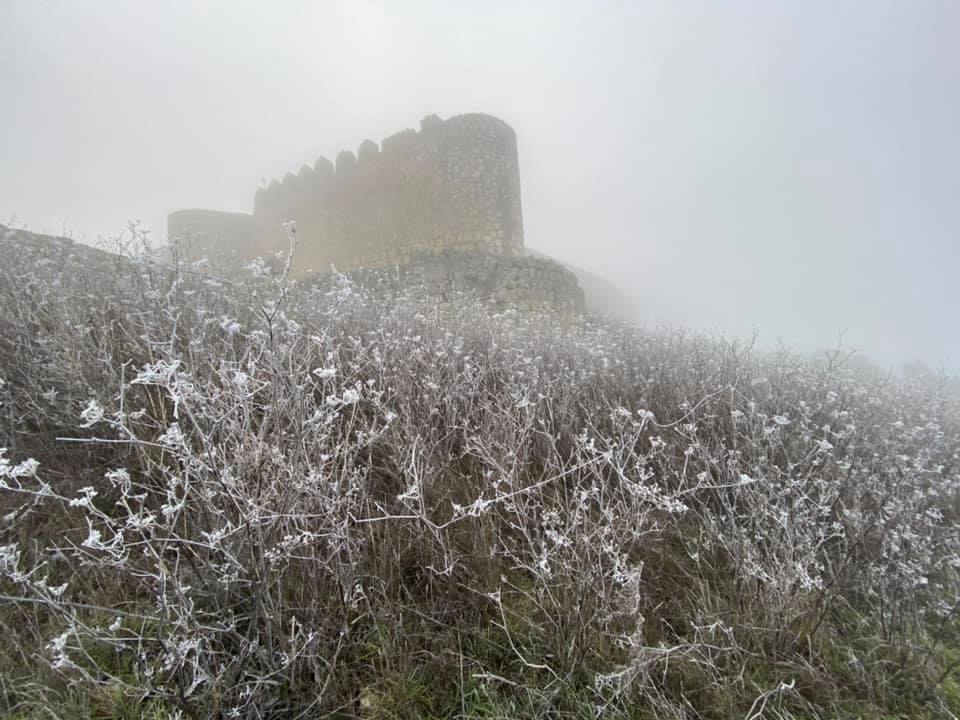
{"points": [[790, 167]]}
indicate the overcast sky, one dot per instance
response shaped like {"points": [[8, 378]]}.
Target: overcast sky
{"points": [[793, 167]]}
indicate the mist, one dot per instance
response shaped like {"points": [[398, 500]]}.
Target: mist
{"points": [[785, 169]]}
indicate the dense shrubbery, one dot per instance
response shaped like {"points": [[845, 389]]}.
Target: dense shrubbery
{"points": [[277, 500]]}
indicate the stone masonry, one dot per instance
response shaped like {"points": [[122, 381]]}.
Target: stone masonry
{"points": [[451, 189]]}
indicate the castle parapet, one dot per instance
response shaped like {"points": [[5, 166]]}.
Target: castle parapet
{"points": [[452, 185]]}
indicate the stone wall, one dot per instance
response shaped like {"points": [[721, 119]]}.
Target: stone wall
{"points": [[525, 283], [438, 207], [455, 184]]}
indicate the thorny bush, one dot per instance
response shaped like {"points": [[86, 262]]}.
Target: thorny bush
{"points": [[262, 498]]}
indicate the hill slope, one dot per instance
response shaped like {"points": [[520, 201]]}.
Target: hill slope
{"points": [[272, 500], [601, 296]]}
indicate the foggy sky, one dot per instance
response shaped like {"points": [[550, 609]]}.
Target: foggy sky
{"points": [[790, 167]]}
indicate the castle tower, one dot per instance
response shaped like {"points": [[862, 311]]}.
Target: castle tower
{"points": [[452, 185]]}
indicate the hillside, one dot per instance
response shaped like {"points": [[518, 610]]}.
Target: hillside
{"points": [[601, 296], [265, 499]]}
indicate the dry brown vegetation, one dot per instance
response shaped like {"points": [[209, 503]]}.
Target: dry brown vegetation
{"points": [[264, 499]]}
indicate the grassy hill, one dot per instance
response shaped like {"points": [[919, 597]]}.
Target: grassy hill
{"points": [[261, 499]]}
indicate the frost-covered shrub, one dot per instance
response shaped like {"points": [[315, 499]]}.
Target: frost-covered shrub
{"points": [[264, 498]]}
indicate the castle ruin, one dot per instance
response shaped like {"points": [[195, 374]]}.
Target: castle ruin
{"points": [[446, 197]]}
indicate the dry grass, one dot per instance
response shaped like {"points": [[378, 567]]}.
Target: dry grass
{"points": [[264, 499]]}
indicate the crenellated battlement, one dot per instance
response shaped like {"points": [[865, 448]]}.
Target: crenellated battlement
{"points": [[442, 200], [453, 184]]}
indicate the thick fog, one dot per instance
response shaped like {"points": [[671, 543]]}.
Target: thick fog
{"points": [[789, 167]]}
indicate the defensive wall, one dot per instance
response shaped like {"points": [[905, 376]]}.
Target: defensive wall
{"points": [[521, 282], [451, 188]]}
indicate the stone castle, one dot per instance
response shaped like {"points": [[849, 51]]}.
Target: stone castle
{"points": [[444, 200]]}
